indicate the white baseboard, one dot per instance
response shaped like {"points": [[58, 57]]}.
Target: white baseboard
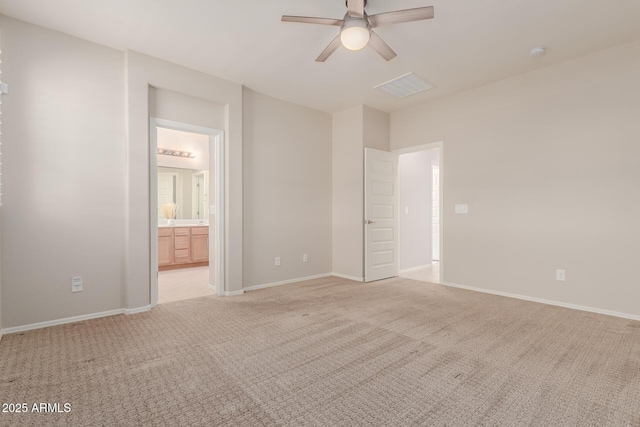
{"points": [[345, 276], [137, 310], [420, 267], [233, 293], [213, 288], [547, 301], [56, 322], [285, 282]]}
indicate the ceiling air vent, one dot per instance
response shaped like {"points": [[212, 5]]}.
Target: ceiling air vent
{"points": [[406, 85]]}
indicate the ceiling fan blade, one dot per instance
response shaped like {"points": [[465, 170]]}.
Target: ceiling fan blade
{"points": [[355, 8], [399, 16], [333, 46], [381, 48], [312, 20]]}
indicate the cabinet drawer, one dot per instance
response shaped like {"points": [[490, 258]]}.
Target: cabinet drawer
{"points": [[181, 242], [199, 230], [181, 231], [165, 232], [181, 255]]}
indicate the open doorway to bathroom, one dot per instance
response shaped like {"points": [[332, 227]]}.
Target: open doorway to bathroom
{"points": [[420, 207], [185, 209]]}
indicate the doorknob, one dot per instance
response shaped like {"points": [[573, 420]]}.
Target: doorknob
{"points": [[368, 221]]}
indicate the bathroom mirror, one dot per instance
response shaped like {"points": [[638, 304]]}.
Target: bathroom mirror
{"points": [[185, 187]]}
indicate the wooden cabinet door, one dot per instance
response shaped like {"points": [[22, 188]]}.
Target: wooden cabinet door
{"points": [[165, 250], [199, 248]]}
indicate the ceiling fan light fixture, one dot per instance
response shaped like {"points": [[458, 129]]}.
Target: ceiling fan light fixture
{"points": [[355, 34]]}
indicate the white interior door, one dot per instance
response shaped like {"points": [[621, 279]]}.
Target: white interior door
{"points": [[381, 214]]}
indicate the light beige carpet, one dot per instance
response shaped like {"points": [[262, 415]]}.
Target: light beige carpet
{"points": [[330, 352]]}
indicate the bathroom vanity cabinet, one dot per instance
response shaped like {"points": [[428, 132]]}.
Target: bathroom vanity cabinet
{"points": [[182, 247]]}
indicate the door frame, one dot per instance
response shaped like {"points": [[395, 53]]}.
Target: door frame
{"points": [[430, 146], [216, 145]]}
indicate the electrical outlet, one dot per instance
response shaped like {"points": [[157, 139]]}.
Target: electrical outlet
{"points": [[561, 275], [76, 284], [305, 257], [277, 261]]}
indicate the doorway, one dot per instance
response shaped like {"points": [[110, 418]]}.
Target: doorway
{"points": [[420, 213], [186, 211]]}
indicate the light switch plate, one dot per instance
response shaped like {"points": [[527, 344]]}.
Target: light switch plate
{"points": [[212, 210]]}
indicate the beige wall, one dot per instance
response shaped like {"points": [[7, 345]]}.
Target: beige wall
{"points": [[376, 128], [63, 175], [353, 130], [178, 107], [347, 196], [549, 163], [287, 190]]}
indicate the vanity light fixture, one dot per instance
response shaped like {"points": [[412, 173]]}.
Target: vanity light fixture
{"points": [[176, 153]]}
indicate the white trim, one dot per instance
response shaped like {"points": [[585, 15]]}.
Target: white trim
{"points": [[547, 301], [285, 282], [420, 267], [129, 311], [213, 288], [63, 321], [346, 276], [233, 293]]}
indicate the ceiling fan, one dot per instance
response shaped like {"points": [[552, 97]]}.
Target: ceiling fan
{"points": [[356, 28]]}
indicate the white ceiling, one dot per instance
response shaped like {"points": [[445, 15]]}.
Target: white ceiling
{"points": [[469, 43]]}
